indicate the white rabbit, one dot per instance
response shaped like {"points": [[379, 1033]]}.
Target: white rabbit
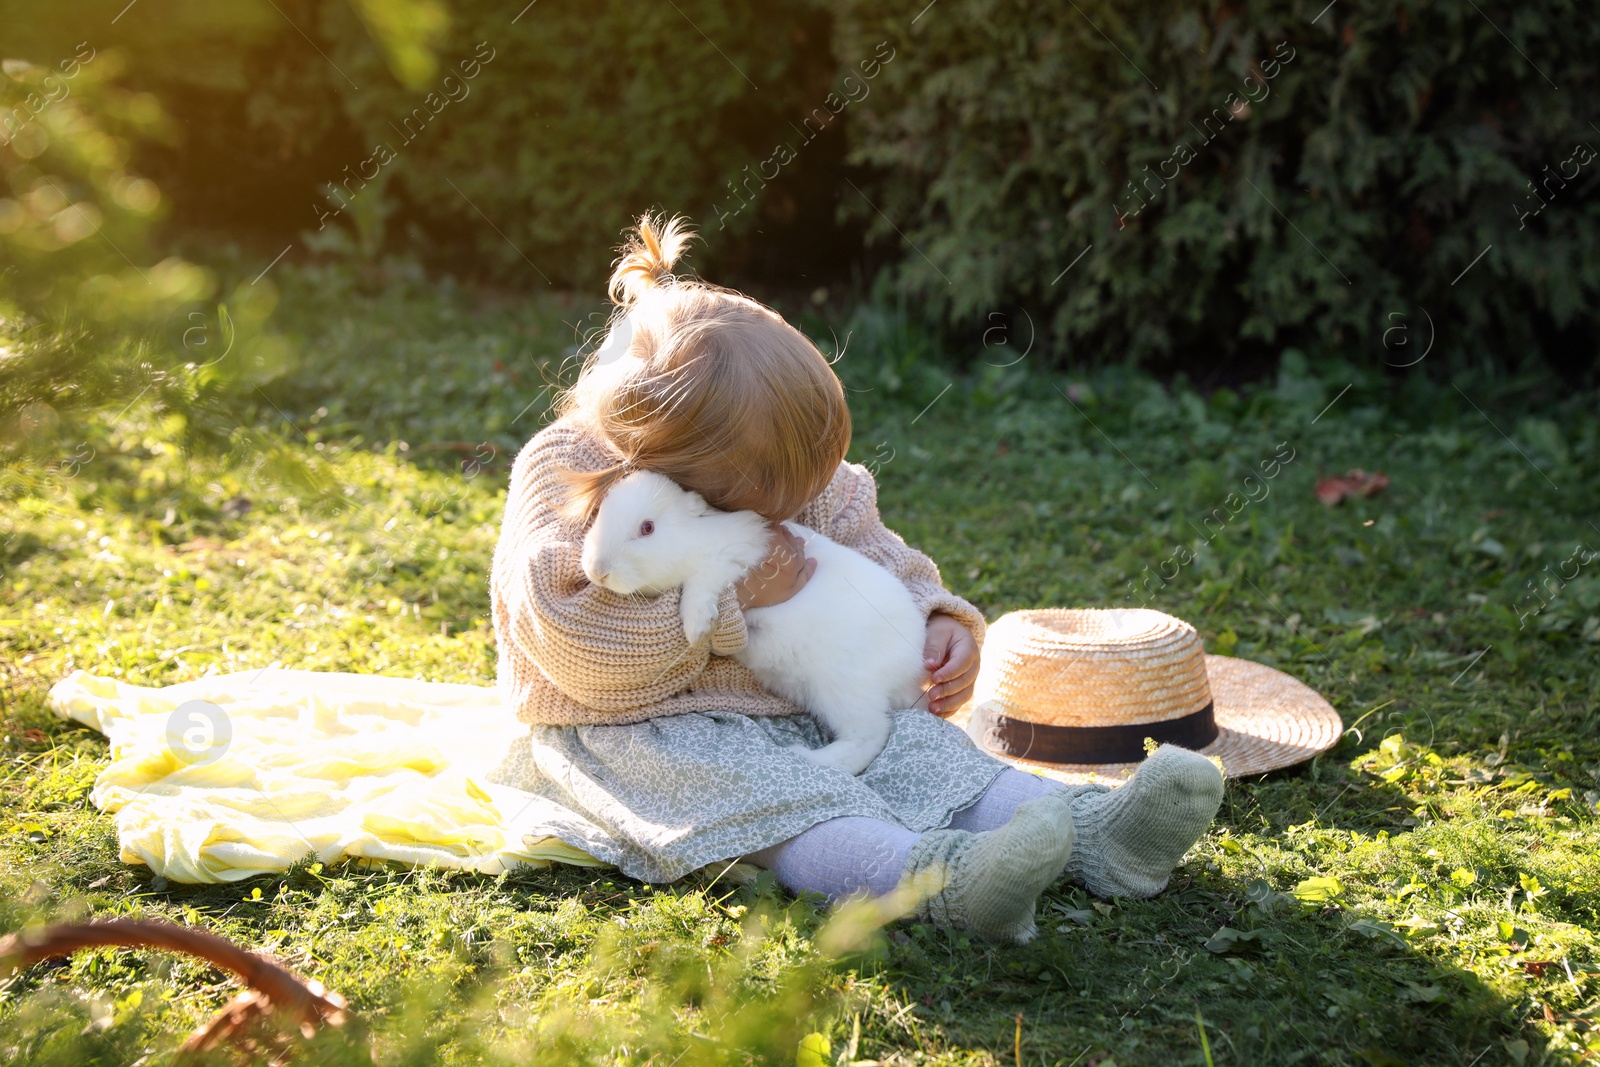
{"points": [[847, 647]]}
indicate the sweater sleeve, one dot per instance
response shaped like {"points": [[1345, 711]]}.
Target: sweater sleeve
{"points": [[848, 512], [605, 650]]}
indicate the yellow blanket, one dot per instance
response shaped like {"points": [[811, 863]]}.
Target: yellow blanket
{"points": [[236, 775]]}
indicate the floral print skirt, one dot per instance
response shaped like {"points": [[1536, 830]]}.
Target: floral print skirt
{"points": [[667, 796]]}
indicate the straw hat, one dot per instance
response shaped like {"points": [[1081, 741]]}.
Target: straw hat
{"points": [[1073, 693]]}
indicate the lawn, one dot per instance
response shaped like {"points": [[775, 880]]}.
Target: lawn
{"points": [[1425, 893]]}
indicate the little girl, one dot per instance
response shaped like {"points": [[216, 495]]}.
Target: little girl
{"points": [[662, 757]]}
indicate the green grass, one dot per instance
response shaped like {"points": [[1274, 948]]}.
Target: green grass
{"points": [[1424, 893]]}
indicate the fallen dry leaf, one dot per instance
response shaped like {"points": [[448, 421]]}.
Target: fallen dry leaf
{"points": [[1354, 482]]}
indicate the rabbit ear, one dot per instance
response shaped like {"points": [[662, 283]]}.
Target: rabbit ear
{"points": [[667, 495], [693, 503]]}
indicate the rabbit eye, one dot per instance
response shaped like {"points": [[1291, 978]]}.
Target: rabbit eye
{"points": [[646, 528]]}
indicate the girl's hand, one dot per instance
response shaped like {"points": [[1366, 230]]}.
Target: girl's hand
{"points": [[781, 575], [951, 656]]}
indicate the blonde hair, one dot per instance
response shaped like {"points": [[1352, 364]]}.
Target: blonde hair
{"points": [[714, 390]]}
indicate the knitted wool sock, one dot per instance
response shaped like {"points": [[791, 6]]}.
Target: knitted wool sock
{"points": [[988, 882], [1129, 839]]}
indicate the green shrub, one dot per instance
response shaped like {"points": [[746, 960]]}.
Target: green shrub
{"points": [[307, 116], [97, 315], [545, 132], [1385, 148], [1155, 182], [78, 311]]}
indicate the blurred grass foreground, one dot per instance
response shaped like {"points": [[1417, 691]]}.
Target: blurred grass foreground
{"points": [[284, 286]]}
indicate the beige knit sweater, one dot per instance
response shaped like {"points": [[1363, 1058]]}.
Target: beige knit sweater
{"points": [[571, 652]]}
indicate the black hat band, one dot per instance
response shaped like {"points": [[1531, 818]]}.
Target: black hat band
{"points": [[1047, 743]]}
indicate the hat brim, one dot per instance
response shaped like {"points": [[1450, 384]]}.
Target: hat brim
{"points": [[1266, 720]]}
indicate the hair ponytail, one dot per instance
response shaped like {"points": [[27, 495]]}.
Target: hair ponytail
{"points": [[647, 259], [720, 395]]}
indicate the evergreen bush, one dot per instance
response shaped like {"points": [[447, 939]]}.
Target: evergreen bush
{"points": [[1237, 177]]}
